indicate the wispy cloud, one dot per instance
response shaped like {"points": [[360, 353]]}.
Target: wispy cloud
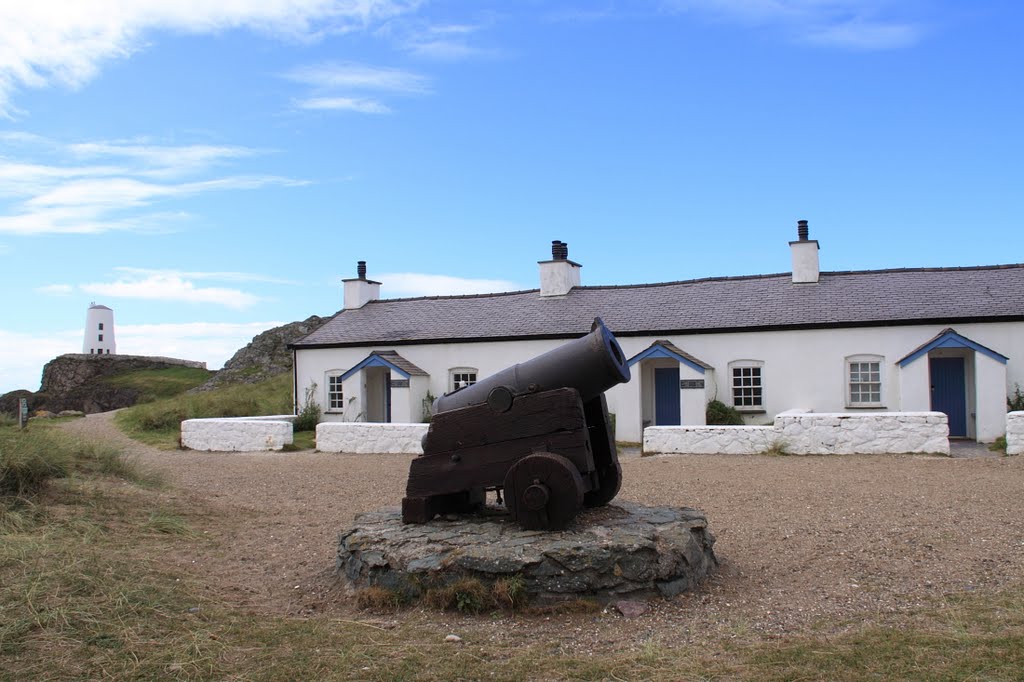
{"points": [[54, 41], [362, 106], [421, 284], [355, 87], [56, 289], [60, 192], [854, 24], [171, 285], [447, 42]]}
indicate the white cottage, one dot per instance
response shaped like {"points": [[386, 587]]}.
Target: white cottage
{"points": [[945, 339]]}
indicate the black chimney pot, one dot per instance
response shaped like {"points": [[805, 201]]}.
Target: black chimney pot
{"points": [[802, 231], [361, 269]]}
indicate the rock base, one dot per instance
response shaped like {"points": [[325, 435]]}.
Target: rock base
{"points": [[615, 551]]}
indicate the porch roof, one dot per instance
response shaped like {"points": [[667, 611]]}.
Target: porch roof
{"points": [[390, 359], [666, 349], [949, 338]]}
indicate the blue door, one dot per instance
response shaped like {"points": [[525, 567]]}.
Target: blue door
{"points": [[666, 396], [949, 392]]}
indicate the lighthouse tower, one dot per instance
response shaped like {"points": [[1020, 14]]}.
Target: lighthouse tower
{"points": [[99, 331]]}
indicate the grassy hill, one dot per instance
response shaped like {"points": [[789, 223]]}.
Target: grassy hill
{"points": [[158, 423]]}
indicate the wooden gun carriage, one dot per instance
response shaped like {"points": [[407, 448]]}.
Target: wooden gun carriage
{"points": [[539, 431]]}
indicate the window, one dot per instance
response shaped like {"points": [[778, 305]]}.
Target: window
{"points": [[462, 377], [101, 326], [747, 384], [100, 337], [864, 381], [335, 395]]}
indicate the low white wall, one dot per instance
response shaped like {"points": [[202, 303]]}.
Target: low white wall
{"points": [[370, 437], [811, 434], [708, 440], [237, 434], [1015, 433]]}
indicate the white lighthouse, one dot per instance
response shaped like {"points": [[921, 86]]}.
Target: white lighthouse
{"points": [[99, 331]]}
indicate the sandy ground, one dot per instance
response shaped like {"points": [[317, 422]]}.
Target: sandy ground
{"points": [[802, 541]]}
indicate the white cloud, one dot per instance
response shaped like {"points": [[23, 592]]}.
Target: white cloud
{"points": [[209, 342], [857, 24], [65, 196], [56, 289], [363, 106], [360, 77], [221, 276], [56, 41], [866, 35], [344, 86], [21, 366], [420, 284], [170, 287]]}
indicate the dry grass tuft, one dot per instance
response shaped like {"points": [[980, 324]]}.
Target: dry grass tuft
{"points": [[378, 599]]}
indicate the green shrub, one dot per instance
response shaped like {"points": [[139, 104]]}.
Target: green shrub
{"points": [[1015, 402], [720, 414], [309, 415]]}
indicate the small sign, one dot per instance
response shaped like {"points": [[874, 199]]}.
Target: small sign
{"points": [[691, 383], [399, 383], [22, 412]]}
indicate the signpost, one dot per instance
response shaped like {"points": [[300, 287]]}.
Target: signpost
{"points": [[22, 412]]}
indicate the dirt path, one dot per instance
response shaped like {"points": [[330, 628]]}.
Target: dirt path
{"points": [[800, 539]]}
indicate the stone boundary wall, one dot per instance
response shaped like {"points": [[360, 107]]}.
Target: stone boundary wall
{"points": [[238, 434], [369, 438], [155, 358], [806, 433], [1015, 433]]}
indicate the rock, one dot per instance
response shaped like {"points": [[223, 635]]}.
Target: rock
{"points": [[71, 413], [42, 414], [631, 609], [453, 638], [264, 357], [608, 553]]}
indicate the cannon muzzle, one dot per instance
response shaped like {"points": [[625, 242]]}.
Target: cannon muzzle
{"points": [[591, 365]]}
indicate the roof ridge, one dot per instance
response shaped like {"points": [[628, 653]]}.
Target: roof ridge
{"points": [[701, 280]]}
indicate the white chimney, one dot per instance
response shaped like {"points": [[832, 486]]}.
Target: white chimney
{"points": [[558, 275], [360, 291], [805, 256]]}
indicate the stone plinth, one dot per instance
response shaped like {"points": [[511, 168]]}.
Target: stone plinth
{"points": [[609, 552]]}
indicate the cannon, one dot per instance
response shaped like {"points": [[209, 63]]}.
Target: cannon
{"points": [[538, 431]]}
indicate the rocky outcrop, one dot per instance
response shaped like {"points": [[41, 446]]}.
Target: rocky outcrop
{"points": [[266, 356], [75, 381]]}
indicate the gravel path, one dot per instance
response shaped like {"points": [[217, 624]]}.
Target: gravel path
{"points": [[802, 540]]}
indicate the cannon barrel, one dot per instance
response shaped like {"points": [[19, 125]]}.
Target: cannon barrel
{"points": [[591, 364]]}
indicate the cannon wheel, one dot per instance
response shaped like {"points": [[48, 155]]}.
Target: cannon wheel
{"points": [[610, 480], [543, 491]]}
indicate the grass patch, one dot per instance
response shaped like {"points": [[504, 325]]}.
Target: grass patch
{"points": [[159, 423], [998, 445], [156, 384]]}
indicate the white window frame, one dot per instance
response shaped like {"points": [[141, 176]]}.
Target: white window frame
{"points": [[330, 376], [747, 364], [865, 358], [454, 371]]}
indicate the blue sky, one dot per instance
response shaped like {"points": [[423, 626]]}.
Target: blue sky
{"points": [[210, 170]]}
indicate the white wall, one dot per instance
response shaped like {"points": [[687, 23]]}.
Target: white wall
{"points": [[359, 438], [811, 434], [802, 368], [1015, 433], [237, 434]]}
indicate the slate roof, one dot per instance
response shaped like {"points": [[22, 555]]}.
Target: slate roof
{"points": [[725, 304]]}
